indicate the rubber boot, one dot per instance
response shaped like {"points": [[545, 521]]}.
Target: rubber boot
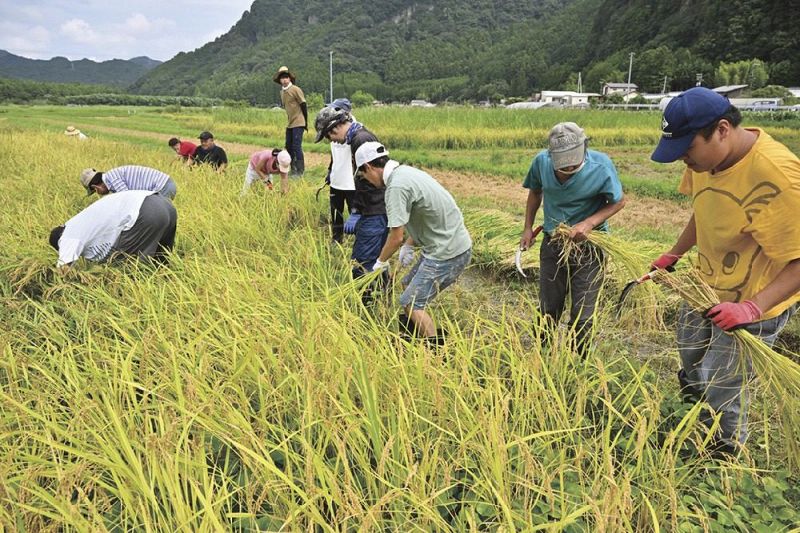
{"points": [[438, 339], [406, 327], [689, 394]]}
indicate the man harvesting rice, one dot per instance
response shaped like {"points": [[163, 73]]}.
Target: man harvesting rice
{"points": [[580, 188], [745, 190]]}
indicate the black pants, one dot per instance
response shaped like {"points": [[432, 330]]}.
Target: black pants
{"points": [[153, 233], [338, 199]]}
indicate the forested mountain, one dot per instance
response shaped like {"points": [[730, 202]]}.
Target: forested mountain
{"points": [[117, 72], [402, 49]]}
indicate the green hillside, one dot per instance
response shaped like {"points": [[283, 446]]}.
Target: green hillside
{"points": [[116, 72], [398, 49]]}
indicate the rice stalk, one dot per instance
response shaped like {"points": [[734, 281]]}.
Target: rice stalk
{"points": [[778, 373]]}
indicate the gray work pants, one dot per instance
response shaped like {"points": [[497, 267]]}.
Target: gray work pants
{"points": [[153, 233], [711, 362], [581, 277]]}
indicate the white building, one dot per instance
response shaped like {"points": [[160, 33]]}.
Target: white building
{"points": [[567, 98], [619, 88]]}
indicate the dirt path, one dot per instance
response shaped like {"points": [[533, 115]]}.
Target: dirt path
{"points": [[639, 211], [230, 147]]}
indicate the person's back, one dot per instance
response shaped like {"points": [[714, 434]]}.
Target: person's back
{"points": [[369, 199], [134, 178], [414, 199], [93, 232]]}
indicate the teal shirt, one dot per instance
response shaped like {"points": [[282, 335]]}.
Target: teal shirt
{"points": [[430, 214], [581, 196]]}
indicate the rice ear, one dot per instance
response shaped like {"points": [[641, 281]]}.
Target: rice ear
{"points": [[777, 373]]}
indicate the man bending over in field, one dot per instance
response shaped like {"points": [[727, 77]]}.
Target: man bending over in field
{"points": [[128, 178], [745, 189], [134, 223], [580, 188], [184, 150], [264, 164], [418, 203]]}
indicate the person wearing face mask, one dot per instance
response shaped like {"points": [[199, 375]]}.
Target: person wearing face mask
{"points": [[579, 187]]}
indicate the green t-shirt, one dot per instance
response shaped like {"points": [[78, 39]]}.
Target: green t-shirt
{"points": [[430, 214]]}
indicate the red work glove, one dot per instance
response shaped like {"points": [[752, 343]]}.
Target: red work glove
{"points": [[665, 262], [729, 315]]}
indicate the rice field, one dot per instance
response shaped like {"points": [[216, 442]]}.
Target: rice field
{"points": [[245, 387]]}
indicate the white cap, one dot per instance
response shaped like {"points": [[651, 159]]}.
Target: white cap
{"points": [[370, 151], [284, 161]]}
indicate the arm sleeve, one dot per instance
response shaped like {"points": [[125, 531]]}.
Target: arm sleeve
{"points": [[612, 188], [223, 157], [69, 250], [398, 207], [304, 109], [114, 182], [533, 180]]}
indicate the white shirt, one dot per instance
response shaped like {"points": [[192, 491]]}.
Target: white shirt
{"points": [[93, 232], [342, 167]]}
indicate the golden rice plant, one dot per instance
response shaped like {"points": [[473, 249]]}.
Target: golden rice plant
{"points": [[643, 308], [246, 387], [777, 372]]}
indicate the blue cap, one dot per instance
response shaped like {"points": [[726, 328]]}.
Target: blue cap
{"points": [[685, 115], [341, 103]]}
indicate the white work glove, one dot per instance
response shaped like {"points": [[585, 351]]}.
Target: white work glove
{"points": [[380, 265], [406, 255]]}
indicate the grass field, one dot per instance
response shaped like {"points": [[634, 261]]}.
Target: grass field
{"points": [[246, 388]]}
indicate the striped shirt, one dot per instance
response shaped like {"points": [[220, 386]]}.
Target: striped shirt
{"points": [[93, 232], [134, 178]]}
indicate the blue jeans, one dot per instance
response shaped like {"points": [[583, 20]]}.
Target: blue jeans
{"points": [[710, 360], [429, 277], [294, 145], [371, 233]]}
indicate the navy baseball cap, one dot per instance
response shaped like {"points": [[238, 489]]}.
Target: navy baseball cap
{"points": [[685, 115], [342, 103]]}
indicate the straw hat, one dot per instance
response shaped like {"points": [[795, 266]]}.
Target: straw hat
{"points": [[72, 130], [281, 71]]}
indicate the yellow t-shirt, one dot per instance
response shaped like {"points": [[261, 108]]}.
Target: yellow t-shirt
{"points": [[291, 99], [748, 221]]}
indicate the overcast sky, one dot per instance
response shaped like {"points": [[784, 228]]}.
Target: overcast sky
{"points": [[108, 29]]}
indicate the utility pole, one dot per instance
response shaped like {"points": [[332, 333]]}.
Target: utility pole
{"points": [[664, 90], [331, 75], [699, 79], [580, 85], [630, 68]]}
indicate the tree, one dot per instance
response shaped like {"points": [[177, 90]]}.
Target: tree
{"points": [[752, 72], [772, 91], [650, 67], [361, 99]]}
